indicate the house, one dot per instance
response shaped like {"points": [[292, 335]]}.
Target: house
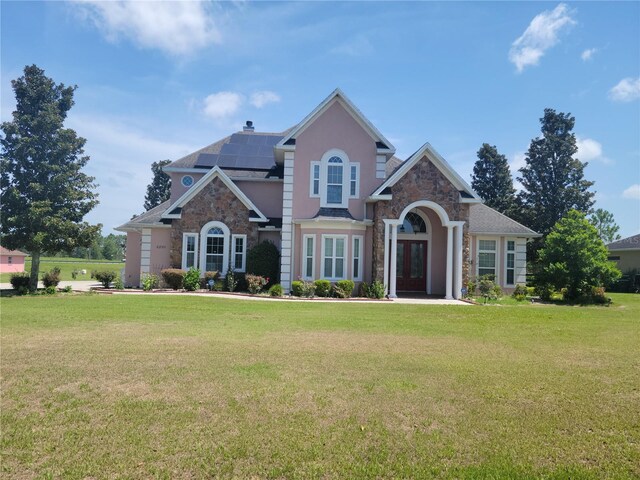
{"points": [[626, 253], [332, 196], [11, 261]]}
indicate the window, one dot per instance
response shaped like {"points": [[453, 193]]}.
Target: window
{"points": [[10, 260], [308, 257], [354, 180], [214, 252], [510, 262], [187, 181], [356, 249], [487, 258], [189, 251], [413, 223], [334, 181], [239, 253], [315, 179], [333, 256]]}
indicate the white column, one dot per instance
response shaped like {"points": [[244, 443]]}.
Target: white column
{"points": [[394, 259], [286, 247], [457, 275], [145, 252], [448, 284], [385, 278]]}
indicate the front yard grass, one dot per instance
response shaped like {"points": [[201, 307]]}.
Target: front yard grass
{"points": [[187, 387], [67, 265]]}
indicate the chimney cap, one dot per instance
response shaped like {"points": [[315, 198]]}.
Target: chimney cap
{"points": [[248, 127]]}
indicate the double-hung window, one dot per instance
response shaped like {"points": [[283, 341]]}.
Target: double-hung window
{"points": [[334, 253], [354, 175], [487, 258], [308, 257], [510, 263], [214, 250], [356, 255], [314, 187], [189, 251], [335, 171], [239, 252]]}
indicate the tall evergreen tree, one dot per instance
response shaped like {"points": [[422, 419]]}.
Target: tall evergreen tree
{"points": [[44, 193], [492, 180], [553, 179], [605, 225], [159, 190]]}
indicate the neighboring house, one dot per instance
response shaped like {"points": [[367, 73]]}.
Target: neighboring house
{"points": [[331, 195], [11, 261], [626, 253]]}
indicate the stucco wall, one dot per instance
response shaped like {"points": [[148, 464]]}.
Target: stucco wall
{"points": [[267, 196], [177, 190], [16, 265], [160, 248], [627, 261], [132, 265]]}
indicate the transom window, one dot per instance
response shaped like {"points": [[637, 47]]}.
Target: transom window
{"points": [[487, 258], [413, 223]]}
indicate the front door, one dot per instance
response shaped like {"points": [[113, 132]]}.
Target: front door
{"points": [[411, 266]]}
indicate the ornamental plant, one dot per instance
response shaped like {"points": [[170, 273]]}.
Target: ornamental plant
{"points": [[105, 277], [322, 288], [255, 283], [149, 282], [51, 278], [191, 280], [343, 288], [173, 277]]}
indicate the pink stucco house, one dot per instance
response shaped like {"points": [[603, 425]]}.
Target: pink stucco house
{"points": [[338, 204], [11, 261]]}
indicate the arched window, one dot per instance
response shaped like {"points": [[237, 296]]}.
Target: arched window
{"points": [[335, 173], [214, 247], [413, 223]]}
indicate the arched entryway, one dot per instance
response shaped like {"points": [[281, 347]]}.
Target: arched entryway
{"points": [[413, 263]]}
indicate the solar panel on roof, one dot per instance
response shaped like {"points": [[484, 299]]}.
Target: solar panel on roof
{"points": [[243, 152]]}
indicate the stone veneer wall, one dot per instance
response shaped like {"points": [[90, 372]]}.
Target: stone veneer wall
{"points": [[214, 202], [423, 182]]}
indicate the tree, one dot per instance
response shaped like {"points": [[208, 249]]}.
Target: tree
{"points": [[552, 178], [44, 193], [492, 180], [605, 225], [159, 190], [574, 257]]}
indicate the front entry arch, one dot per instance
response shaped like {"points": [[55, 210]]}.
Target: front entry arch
{"points": [[413, 262]]}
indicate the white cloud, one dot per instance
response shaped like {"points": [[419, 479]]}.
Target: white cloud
{"points": [[518, 160], [590, 149], [588, 54], [265, 97], [354, 47], [633, 192], [627, 90], [541, 34], [222, 104], [176, 28]]}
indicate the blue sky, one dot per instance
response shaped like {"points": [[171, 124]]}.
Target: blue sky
{"points": [[158, 80]]}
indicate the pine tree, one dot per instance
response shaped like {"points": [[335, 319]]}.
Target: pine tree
{"points": [[44, 193], [605, 225], [492, 180], [552, 178], [159, 190]]}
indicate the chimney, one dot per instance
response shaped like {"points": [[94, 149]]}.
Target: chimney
{"points": [[248, 127]]}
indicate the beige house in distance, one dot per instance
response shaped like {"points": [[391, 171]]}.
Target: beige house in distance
{"points": [[626, 253]]}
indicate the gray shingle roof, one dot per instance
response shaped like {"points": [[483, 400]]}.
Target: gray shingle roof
{"points": [[152, 216], [483, 219], [629, 243]]}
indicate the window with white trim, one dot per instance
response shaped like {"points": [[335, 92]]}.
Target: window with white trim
{"points": [[510, 263], [335, 171], [356, 256], [189, 251], [334, 253], [338, 179], [354, 180], [239, 252], [314, 187], [308, 257], [487, 258], [214, 250]]}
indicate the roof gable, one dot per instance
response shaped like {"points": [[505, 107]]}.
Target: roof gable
{"points": [[174, 211], [629, 243]]}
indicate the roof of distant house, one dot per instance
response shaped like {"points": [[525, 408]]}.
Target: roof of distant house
{"points": [[486, 220], [629, 243], [13, 253]]}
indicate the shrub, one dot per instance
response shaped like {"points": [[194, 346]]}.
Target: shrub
{"points": [[173, 277], [364, 290], [255, 283], [322, 288], [471, 288], [520, 293], [301, 288], [264, 260], [230, 281], [149, 282], [276, 290], [51, 278], [105, 277], [296, 288], [497, 291], [376, 289], [191, 280], [487, 288], [531, 291], [343, 288], [20, 281], [118, 284], [598, 296], [218, 286], [67, 289], [50, 290], [545, 292], [204, 282]]}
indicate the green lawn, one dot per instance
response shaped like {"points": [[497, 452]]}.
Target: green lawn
{"points": [[189, 387], [67, 266]]}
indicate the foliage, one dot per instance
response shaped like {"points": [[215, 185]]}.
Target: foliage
{"points": [[51, 278], [159, 190], [173, 277], [574, 257], [302, 288], [492, 180], [322, 288], [191, 280], [471, 288], [213, 276], [43, 191], [487, 288], [627, 283], [255, 283], [364, 290], [276, 290], [111, 247], [67, 289], [343, 288], [553, 179], [605, 225], [20, 281], [376, 289], [50, 290], [230, 282], [105, 277], [118, 284], [520, 292], [264, 260], [149, 282]]}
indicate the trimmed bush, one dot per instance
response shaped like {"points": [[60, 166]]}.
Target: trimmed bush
{"points": [[343, 288], [191, 280], [364, 290], [105, 277], [376, 289], [20, 281], [118, 284], [520, 292], [322, 288], [276, 290], [300, 288], [173, 277], [264, 260], [255, 283], [51, 278]]}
